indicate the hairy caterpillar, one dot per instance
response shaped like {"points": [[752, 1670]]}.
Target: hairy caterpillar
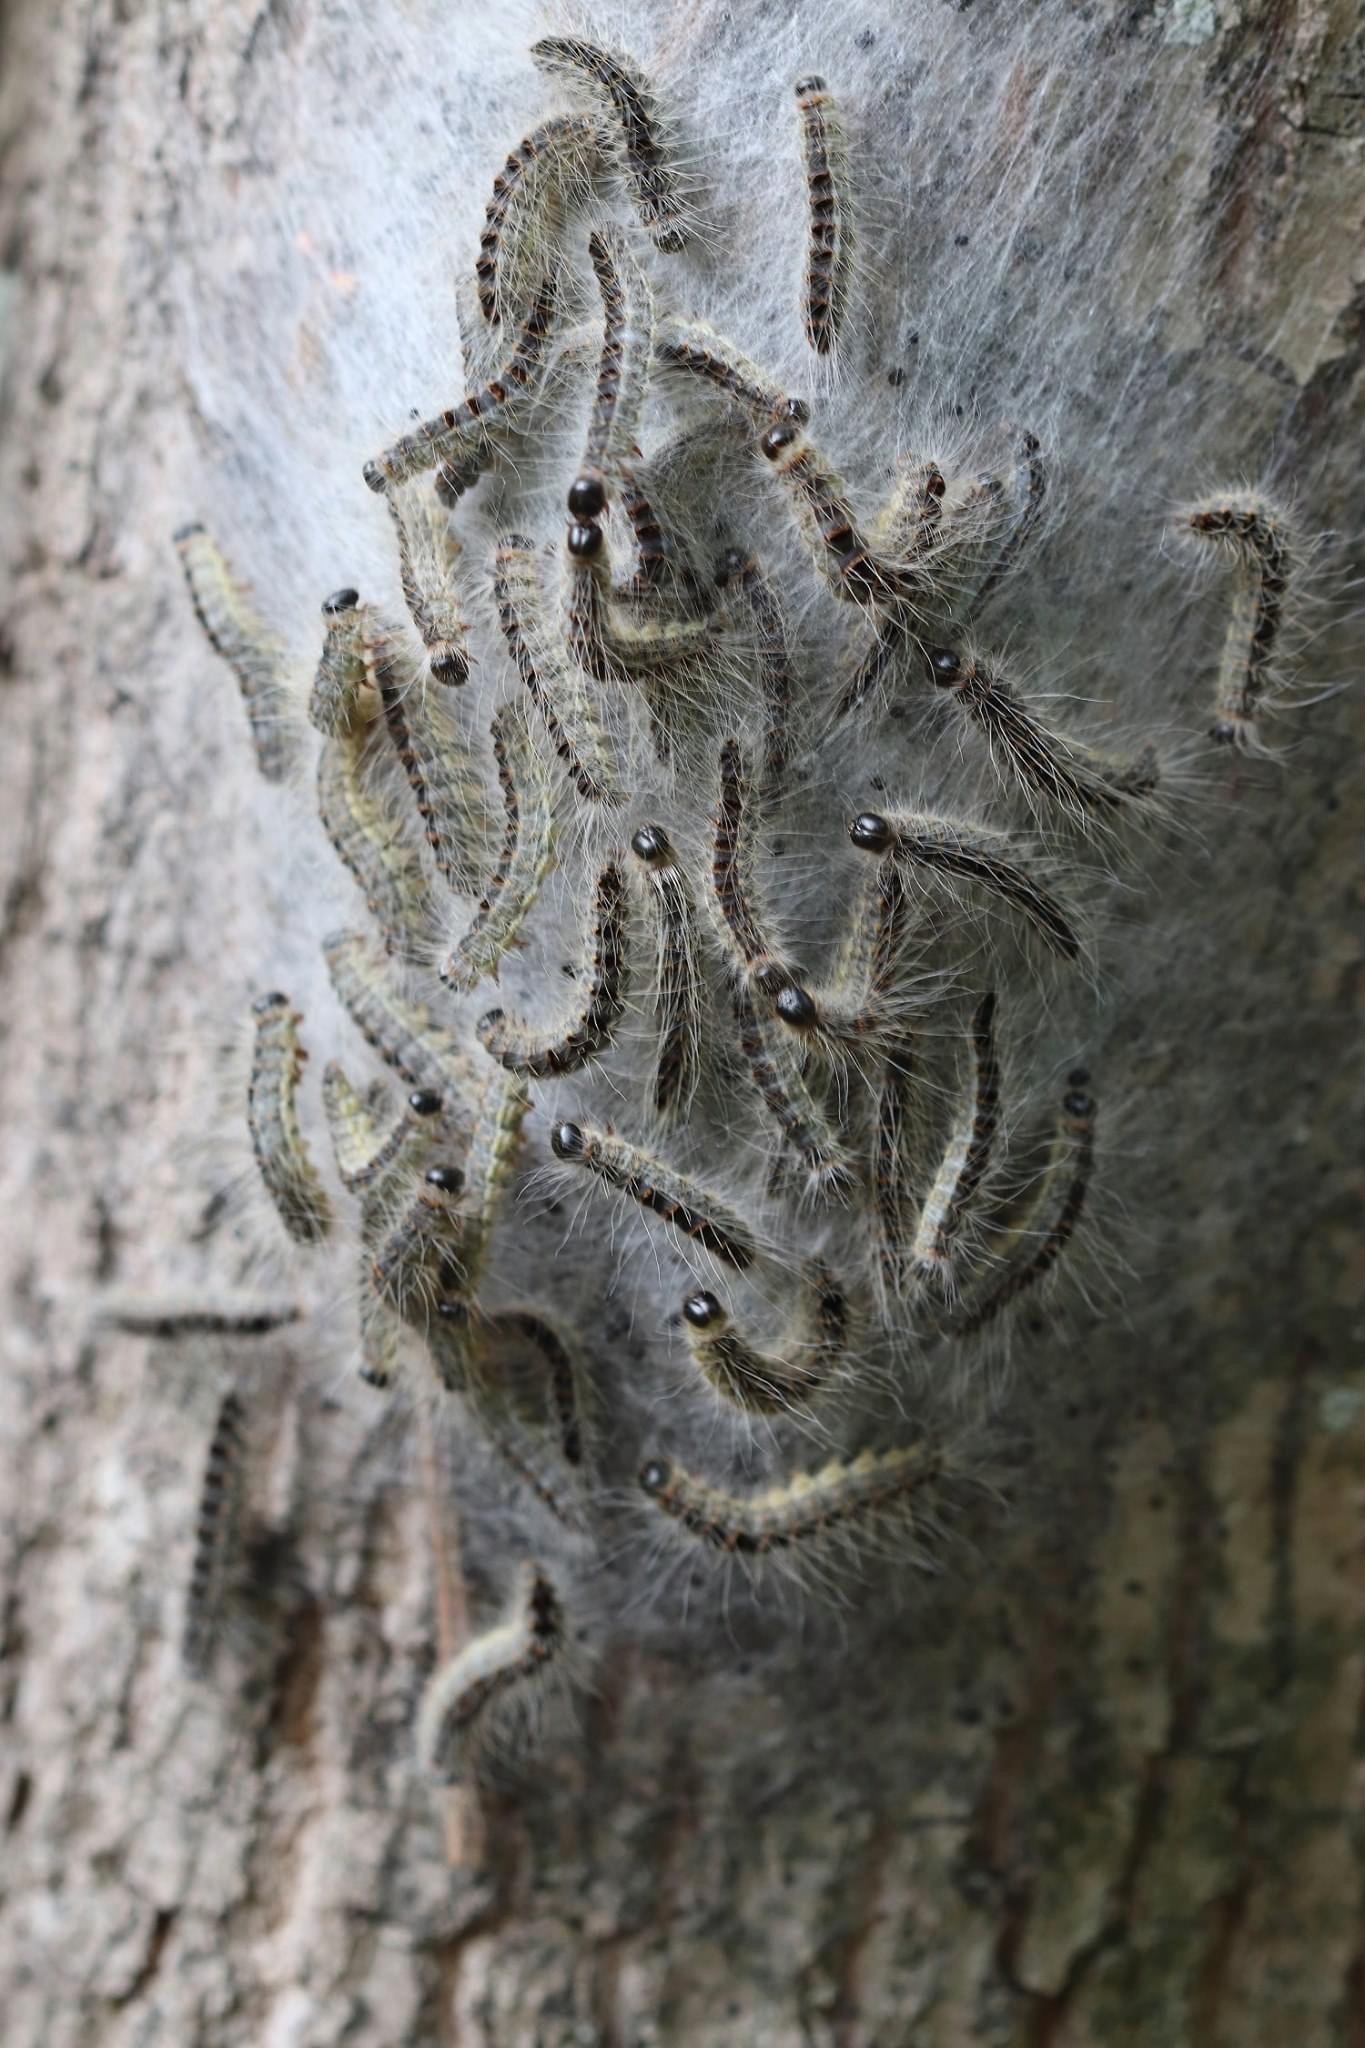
{"points": [[493, 1149], [626, 96], [1071, 1164], [171, 1315], [1259, 538], [557, 1354], [784, 1094], [549, 169], [419, 1262], [426, 559], [335, 705], [362, 1150], [839, 547], [250, 650], [623, 371], [290, 1177], [525, 860], [690, 1208], [589, 1031], [690, 346], [829, 251], [967, 1155], [776, 679], [431, 749], [462, 1696], [893, 1153], [215, 1535], [404, 1034], [551, 683], [763, 1382], [975, 853], [369, 837], [809, 1506], [677, 971], [1030, 488], [732, 876]]}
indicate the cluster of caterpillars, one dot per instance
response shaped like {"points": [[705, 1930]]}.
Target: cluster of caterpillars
{"points": [[654, 735]]}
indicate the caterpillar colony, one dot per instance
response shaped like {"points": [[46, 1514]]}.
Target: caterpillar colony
{"points": [[736, 912]]}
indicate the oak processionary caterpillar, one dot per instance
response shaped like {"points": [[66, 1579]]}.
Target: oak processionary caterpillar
{"points": [[830, 248], [772, 1382], [625, 95], [250, 650], [1260, 539], [677, 971], [462, 1698], [690, 1208], [589, 1032], [215, 1536], [809, 1506], [290, 1177]]}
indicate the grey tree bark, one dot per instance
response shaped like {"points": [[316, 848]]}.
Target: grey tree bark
{"points": [[1101, 1780]]}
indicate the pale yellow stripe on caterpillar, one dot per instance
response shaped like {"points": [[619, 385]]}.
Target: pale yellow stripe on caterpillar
{"points": [[553, 684], [427, 553], [1069, 1170], [510, 893], [436, 759], [626, 97], [339, 701], [286, 1168], [678, 980], [795, 1372], [776, 678], [808, 1507], [368, 836], [829, 252], [170, 1317], [966, 1157], [363, 1148], [550, 170], [969, 853], [1075, 778], [827, 1166], [463, 1697], [216, 1535], [1262, 543], [223, 608], [501, 404], [690, 1208], [404, 1034], [700, 352], [623, 368], [588, 1032], [494, 1150]]}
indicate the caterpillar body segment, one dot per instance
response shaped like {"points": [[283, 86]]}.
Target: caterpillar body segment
{"points": [[223, 608], [1262, 545], [549, 171], [687, 1206], [419, 1263], [966, 1157], [404, 1034], [910, 522], [427, 552], [829, 250], [563, 1367], [435, 757], [626, 98], [337, 702], [494, 1149], [697, 350], [970, 853], [286, 1167], [463, 1698], [553, 684], [590, 1030], [216, 1536], [173, 1316], [1065, 1183], [527, 855], [365, 1151], [770, 1382], [1061, 772], [452, 437], [841, 549], [623, 370], [756, 956], [538, 1470], [380, 1335], [894, 1153], [826, 1164], [368, 836], [678, 975], [841, 1496]]}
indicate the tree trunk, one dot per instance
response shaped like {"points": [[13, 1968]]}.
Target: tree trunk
{"points": [[1097, 1776]]}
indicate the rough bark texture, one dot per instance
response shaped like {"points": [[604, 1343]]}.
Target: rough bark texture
{"points": [[1103, 1785]]}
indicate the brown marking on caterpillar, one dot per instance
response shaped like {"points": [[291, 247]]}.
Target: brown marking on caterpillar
{"points": [[290, 1177], [369, 838], [830, 243], [427, 552], [173, 1316], [223, 608], [972, 853], [217, 1528], [462, 1695], [789, 1102], [688, 1207], [967, 1154], [526, 857], [431, 749], [1260, 539], [732, 876], [677, 971], [701, 352], [874, 667], [551, 683], [404, 1034], [549, 169], [622, 91], [809, 1506], [589, 1034], [1074, 1157], [336, 703], [623, 368], [772, 1382]]}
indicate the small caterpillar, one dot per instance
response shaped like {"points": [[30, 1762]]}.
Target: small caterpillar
{"points": [[688, 1207], [1073, 1157], [549, 168], [557, 1356], [784, 1094], [967, 1155], [419, 1260], [590, 1032], [380, 1332], [732, 876], [839, 547], [829, 249], [912, 518], [452, 435], [363, 1151], [688, 345], [368, 836], [892, 1152], [623, 370], [461, 1697], [290, 1177], [770, 1382], [402, 1033], [426, 558], [250, 650], [626, 95], [677, 971], [335, 701], [873, 667], [1030, 488], [551, 683], [493, 1149], [215, 1537], [773, 658], [526, 857], [170, 1316], [587, 586], [809, 1506], [431, 749], [976, 854], [1073, 777], [1259, 538]]}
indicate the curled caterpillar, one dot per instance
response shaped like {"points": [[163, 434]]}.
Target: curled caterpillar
{"points": [[590, 1030], [464, 1694], [626, 97], [287, 1169], [794, 1372], [549, 170]]}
